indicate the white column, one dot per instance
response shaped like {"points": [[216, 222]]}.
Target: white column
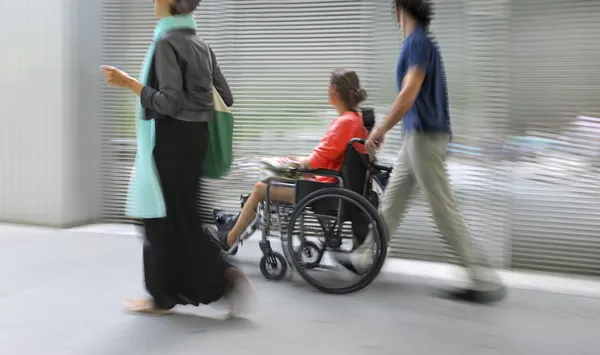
{"points": [[48, 109]]}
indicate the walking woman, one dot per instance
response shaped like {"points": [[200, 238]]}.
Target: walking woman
{"points": [[181, 264]]}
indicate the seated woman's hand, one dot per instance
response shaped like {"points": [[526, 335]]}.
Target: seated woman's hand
{"points": [[301, 161], [292, 162]]}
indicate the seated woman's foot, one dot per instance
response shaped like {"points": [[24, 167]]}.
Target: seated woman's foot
{"points": [[145, 306], [220, 236], [224, 221]]}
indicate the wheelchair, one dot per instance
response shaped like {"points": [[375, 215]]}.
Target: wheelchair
{"points": [[336, 218]]}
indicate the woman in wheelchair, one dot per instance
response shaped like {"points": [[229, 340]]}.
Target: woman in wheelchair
{"points": [[345, 94]]}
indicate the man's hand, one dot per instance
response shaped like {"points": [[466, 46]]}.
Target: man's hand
{"points": [[375, 139]]}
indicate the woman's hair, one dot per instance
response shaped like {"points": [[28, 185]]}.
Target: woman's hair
{"points": [[348, 86], [183, 7], [421, 10]]}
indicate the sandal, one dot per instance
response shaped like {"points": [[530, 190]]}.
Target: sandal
{"points": [[145, 306]]}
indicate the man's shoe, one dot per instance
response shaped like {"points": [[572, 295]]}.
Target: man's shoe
{"points": [[220, 237], [360, 260], [349, 262], [473, 296]]}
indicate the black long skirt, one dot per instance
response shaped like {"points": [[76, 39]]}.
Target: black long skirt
{"points": [[181, 264]]}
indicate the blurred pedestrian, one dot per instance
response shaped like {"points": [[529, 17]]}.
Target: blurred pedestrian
{"points": [[422, 105], [181, 264]]}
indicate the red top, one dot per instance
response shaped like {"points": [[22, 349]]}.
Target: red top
{"points": [[329, 153]]}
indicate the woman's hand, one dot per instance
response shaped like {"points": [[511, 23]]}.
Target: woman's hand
{"points": [[303, 161], [296, 162], [117, 77], [114, 76]]}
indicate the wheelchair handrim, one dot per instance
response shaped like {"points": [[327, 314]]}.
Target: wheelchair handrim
{"points": [[365, 207]]}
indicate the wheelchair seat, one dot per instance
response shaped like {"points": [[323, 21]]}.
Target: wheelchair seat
{"points": [[354, 175]]}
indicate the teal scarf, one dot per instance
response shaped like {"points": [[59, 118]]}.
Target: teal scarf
{"points": [[144, 197]]}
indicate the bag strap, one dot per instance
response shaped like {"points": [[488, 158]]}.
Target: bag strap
{"points": [[210, 61], [212, 69]]}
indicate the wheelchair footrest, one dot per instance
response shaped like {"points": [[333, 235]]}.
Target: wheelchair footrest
{"points": [[243, 199]]}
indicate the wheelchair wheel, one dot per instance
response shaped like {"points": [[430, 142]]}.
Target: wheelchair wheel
{"points": [[334, 241], [273, 266]]}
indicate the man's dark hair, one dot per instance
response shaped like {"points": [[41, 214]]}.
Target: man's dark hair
{"points": [[421, 10], [183, 7]]}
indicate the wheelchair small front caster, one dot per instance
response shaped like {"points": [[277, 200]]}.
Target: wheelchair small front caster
{"points": [[273, 266]]}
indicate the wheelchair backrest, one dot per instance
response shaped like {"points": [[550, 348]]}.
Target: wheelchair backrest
{"points": [[355, 168], [368, 115]]}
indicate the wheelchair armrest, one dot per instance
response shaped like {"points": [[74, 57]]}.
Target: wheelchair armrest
{"points": [[382, 167], [319, 172]]}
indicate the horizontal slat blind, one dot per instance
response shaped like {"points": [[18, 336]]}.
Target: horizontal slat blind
{"points": [[556, 46], [524, 169], [282, 58], [126, 32]]}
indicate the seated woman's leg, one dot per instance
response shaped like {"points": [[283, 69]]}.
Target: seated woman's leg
{"points": [[258, 195]]}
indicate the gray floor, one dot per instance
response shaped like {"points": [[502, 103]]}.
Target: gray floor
{"points": [[61, 293]]}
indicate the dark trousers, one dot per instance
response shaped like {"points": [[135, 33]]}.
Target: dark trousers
{"points": [[181, 265]]}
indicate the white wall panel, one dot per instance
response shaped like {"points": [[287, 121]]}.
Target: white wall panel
{"points": [[47, 103]]}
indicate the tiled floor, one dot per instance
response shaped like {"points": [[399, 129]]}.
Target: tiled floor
{"points": [[62, 292]]}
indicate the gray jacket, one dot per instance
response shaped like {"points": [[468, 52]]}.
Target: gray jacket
{"points": [[182, 73]]}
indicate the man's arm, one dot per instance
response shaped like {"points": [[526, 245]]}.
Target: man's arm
{"points": [[411, 85], [417, 60]]}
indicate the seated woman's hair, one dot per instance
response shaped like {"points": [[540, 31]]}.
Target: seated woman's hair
{"points": [[183, 7], [348, 86]]}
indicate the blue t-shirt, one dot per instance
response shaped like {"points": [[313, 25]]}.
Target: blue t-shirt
{"points": [[430, 112]]}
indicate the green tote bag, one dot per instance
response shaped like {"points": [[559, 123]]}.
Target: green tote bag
{"points": [[219, 156]]}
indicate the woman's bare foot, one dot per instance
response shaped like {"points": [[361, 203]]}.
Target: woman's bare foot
{"points": [[145, 306], [240, 294]]}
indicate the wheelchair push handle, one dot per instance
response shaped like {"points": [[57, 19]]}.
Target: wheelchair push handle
{"points": [[357, 140]]}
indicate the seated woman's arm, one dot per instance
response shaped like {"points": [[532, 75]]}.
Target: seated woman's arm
{"points": [[332, 146]]}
